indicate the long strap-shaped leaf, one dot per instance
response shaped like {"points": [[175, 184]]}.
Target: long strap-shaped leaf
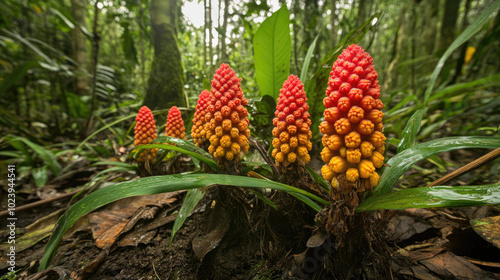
{"points": [[462, 38], [404, 160], [160, 184], [439, 196]]}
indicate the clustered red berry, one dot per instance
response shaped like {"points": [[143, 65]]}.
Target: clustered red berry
{"points": [[175, 124], [145, 132], [292, 133], [227, 121], [199, 131], [353, 140]]}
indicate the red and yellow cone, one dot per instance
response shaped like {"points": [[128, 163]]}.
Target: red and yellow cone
{"points": [[353, 140], [292, 133], [227, 121], [175, 124], [145, 132], [198, 130]]}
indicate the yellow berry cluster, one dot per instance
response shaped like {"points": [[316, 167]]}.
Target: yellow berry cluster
{"points": [[198, 131]]}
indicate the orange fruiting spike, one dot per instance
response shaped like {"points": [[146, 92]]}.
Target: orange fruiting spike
{"points": [[230, 117], [366, 168], [367, 149], [353, 155], [355, 114], [199, 129], [327, 172], [145, 132], [377, 159], [353, 140], [352, 174], [374, 178], [292, 124], [366, 127], [338, 164]]}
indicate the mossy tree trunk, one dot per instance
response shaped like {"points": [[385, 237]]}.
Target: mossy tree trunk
{"points": [[167, 79], [79, 46]]}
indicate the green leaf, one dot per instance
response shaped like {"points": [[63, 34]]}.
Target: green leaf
{"points": [[139, 149], [193, 196], [64, 18], [439, 196], [272, 47], [411, 130], [155, 185], [319, 179], [184, 144], [40, 176], [471, 30], [46, 155], [307, 60], [401, 162]]}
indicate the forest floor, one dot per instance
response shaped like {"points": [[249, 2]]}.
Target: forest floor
{"points": [[233, 235]]}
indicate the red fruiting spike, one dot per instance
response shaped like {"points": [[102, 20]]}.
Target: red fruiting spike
{"points": [[292, 127], [332, 114], [344, 104], [345, 88], [335, 96], [353, 79], [353, 140], [375, 116], [355, 95], [367, 103], [144, 131], [364, 85], [229, 126], [198, 131], [355, 114]]}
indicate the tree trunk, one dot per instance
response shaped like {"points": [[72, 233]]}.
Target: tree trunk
{"points": [[224, 56], [428, 13], [205, 34], [333, 18], [79, 47], [210, 36], [361, 12], [167, 79], [448, 24]]}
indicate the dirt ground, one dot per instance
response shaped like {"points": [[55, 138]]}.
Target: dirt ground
{"points": [[233, 235]]}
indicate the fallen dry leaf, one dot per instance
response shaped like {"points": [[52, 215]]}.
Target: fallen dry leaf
{"points": [[121, 216], [488, 228]]}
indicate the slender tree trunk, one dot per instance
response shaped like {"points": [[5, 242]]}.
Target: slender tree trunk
{"points": [[448, 24], [79, 46], [224, 56], [205, 25], [219, 33], [95, 53], [333, 19], [210, 36], [167, 79], [141, 36], [428, 13], [361, 12], [461, 58]]}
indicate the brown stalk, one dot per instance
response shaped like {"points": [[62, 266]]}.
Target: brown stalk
{"points": [[467, 168]]}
